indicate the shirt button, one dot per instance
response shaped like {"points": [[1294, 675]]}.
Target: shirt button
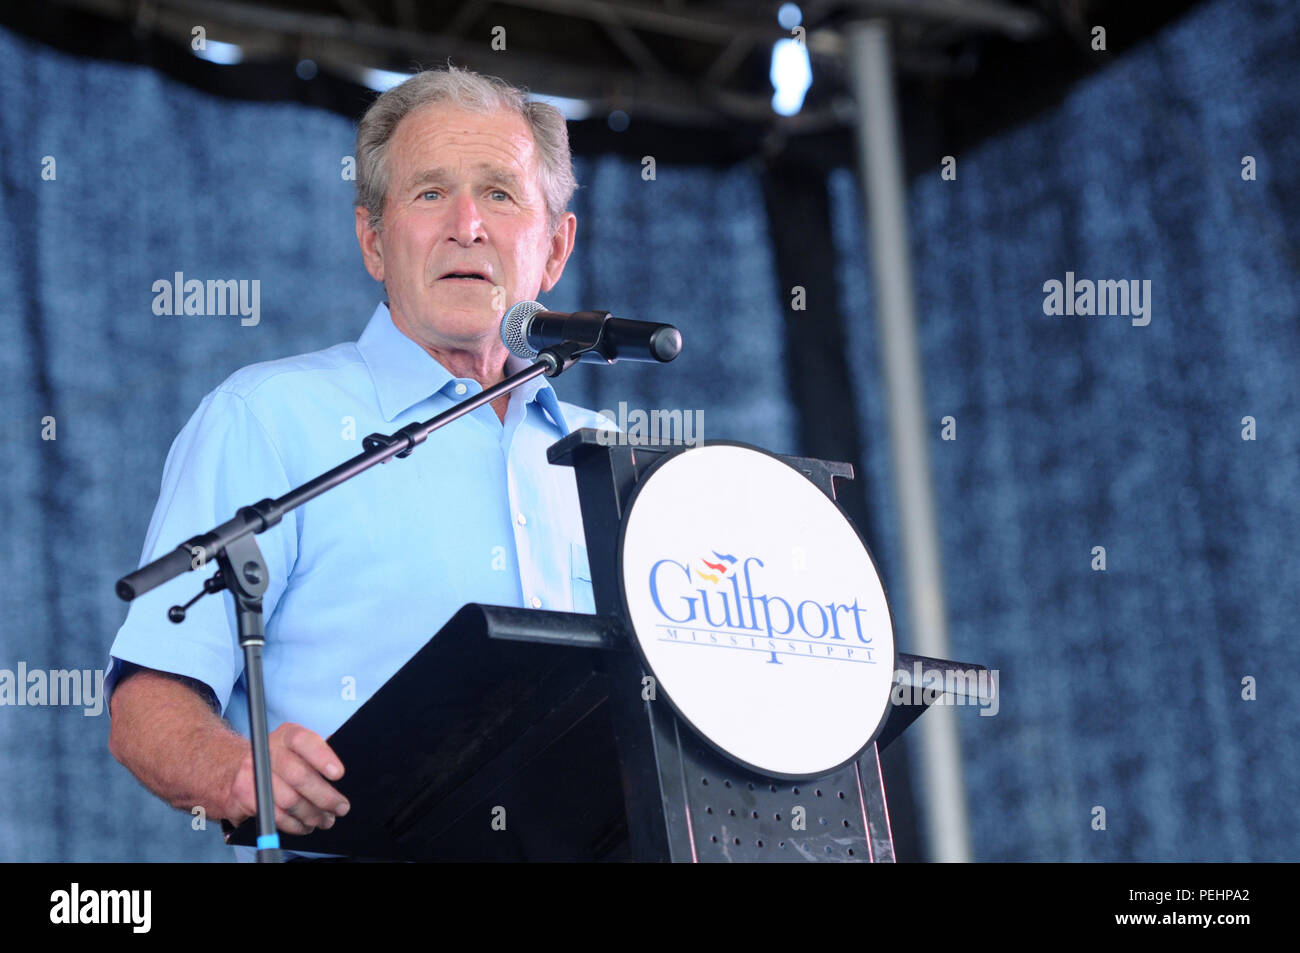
{"points": [[521, 519], [461, 388], [537, 603]]}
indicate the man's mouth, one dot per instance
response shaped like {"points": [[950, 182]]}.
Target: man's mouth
{"points": [[464, 276]]}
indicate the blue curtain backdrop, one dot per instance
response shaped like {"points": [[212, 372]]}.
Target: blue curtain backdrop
{"points": [[1121, 689]]}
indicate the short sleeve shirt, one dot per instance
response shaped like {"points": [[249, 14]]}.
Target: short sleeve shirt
{"points": [[362, 576]]}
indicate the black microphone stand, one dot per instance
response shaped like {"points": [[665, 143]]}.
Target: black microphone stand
{"points": [[242, 570]]}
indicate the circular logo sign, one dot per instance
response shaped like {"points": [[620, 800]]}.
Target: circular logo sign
{"points": [[758, 610]]}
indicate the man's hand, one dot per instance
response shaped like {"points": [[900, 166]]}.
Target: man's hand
{"points": [[167, 731], [300, 763]]}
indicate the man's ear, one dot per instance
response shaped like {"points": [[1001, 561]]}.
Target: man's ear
{"points": [[561, 248], [372, 248]]}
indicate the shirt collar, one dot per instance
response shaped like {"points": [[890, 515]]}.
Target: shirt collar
{"points": [[405, 373]]}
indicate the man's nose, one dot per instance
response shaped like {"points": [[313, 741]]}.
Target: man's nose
{"points": [[467, 227]]}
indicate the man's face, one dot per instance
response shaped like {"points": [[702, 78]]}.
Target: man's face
{"points": [[463, 200]]}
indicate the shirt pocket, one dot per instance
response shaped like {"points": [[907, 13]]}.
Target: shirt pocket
{"points": [[584, 599]]}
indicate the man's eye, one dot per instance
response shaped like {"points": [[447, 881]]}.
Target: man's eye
{"points": [[425, 195], [504, 196]]}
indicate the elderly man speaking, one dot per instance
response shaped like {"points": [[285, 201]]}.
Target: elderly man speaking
{"points": [[462, 190]]}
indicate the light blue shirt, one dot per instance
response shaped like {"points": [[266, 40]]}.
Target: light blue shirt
{"points": [[363, 576]]}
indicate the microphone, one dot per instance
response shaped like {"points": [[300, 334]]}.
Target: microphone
{"points": [[528, 328]]}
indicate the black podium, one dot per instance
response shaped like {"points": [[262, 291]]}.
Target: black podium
{"points": [[526, 735]]}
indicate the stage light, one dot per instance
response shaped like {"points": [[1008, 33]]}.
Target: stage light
{"points": [[791, 76], [382, 80], [214, 51]]}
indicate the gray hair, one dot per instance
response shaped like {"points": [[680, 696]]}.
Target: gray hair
{"points": [[472, 92]]}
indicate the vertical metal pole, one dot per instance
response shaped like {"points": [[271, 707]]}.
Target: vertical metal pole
{"points": [[942, 789]]}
